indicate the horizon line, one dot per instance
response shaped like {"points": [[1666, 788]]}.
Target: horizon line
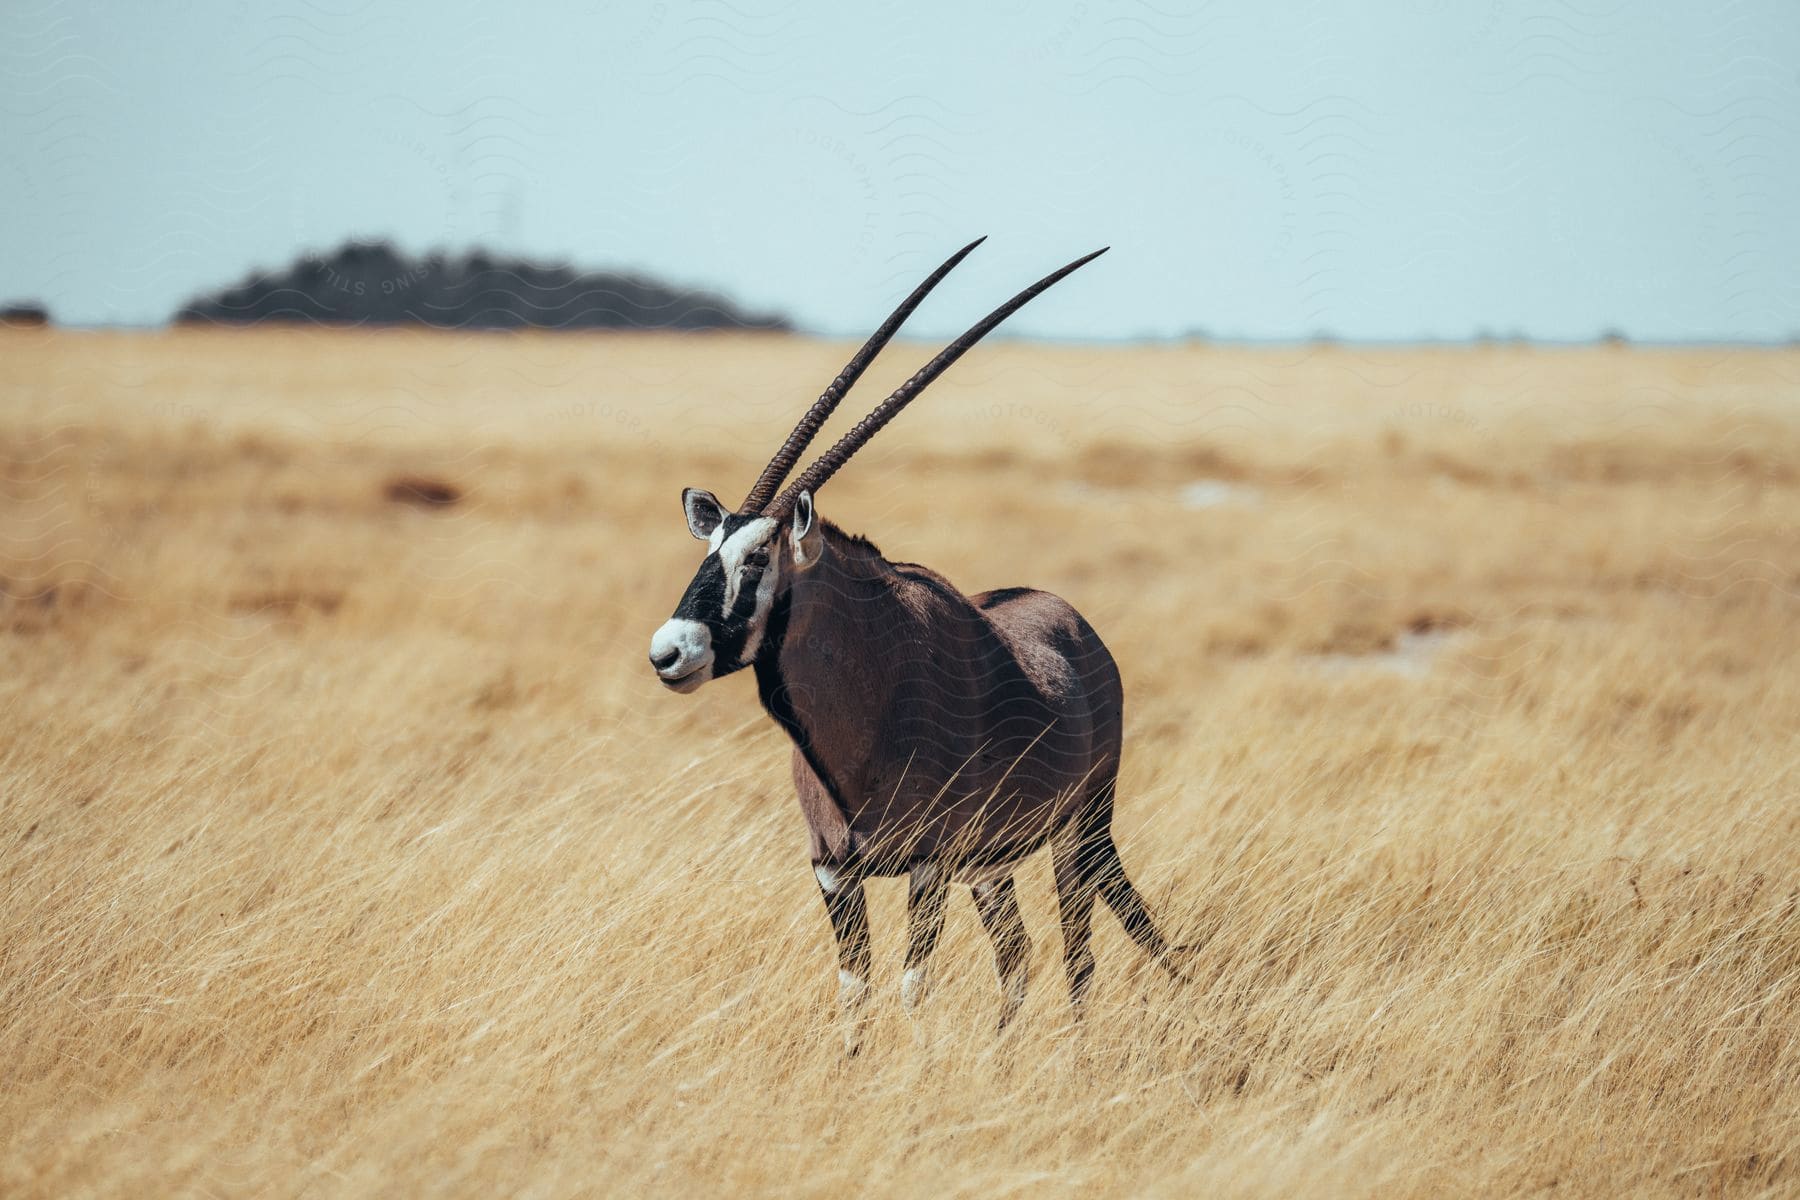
{"points": [[1323, 338]]}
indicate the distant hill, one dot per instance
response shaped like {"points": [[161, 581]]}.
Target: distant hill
{"points": [[371, 283], [24, 314]]}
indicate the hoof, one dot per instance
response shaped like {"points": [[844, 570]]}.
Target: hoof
{"points": [[1179, 961]]}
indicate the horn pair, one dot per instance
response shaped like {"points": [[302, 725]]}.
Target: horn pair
{"points": [[763, 499]]}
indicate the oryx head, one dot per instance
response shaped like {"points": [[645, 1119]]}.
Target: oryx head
{"points": [[754, 553], [718, 626]]}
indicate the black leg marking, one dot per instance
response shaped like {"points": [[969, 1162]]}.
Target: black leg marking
{"points": [[926, 890], [998, 906], [849, 913], [1075, 902]]}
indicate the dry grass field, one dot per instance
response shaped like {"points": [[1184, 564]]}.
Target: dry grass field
{"points": [[350, 848]]}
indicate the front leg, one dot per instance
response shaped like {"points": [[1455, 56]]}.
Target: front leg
{"points": [[998, 905], [926, 890], [843, 892]]}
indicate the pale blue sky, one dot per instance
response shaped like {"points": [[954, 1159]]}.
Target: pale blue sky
{"points": [[1420, 168]]}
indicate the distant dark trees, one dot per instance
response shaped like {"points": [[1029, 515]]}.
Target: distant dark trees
{"points": [[24, 315], [371, 283]]}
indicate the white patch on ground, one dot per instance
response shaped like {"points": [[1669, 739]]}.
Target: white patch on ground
{"points": [[1200, 494], [1216, 493], [1410, 657]]}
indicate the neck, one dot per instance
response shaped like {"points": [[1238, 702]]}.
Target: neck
{"points": [[818, 672]]}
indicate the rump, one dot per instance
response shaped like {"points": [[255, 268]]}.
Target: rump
{"points": [[1065, 660]]}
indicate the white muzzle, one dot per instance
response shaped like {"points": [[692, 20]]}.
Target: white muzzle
{"points": [[681, 653]]}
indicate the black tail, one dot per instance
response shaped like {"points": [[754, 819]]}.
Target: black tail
{"points": [[1101, 864]]}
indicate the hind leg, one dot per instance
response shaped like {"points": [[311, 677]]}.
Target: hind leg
{"points": [[1075, 890], [998, 906], [1091, 854], [927, 888]]}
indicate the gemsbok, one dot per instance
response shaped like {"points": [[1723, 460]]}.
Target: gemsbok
{"points": [[936, 735]]}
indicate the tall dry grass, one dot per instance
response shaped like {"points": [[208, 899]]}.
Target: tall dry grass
{"points": [[349, 847]]}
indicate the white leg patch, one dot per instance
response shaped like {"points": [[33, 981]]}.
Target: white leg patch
{"points": [[853, 993], [913, 986], [828, 879], [851, 990]]}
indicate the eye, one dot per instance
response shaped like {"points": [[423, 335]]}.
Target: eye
{"points": [[756, 560]]}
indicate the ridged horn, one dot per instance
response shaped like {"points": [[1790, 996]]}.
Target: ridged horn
{"points": [[828, 463], [822, 408]]}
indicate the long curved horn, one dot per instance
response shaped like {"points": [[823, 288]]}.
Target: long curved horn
{"points": [[822, 408], [827, 464]]}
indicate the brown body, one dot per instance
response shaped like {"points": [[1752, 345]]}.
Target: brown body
{"points": [[931, 726]]}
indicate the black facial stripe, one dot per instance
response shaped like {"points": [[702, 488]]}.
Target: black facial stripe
{"points": [[705, 596], [745, 607]]}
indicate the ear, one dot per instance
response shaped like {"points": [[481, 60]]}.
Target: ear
{"points": [[804, 534], [704, 512]]}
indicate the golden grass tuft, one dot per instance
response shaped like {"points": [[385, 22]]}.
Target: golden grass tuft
{"points": [[349, 847]]}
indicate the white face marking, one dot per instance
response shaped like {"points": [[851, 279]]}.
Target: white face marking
{"points": [[765, 597], [732, 551]]}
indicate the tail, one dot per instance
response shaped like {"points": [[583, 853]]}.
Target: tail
{"points": [[1122, 896]]}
